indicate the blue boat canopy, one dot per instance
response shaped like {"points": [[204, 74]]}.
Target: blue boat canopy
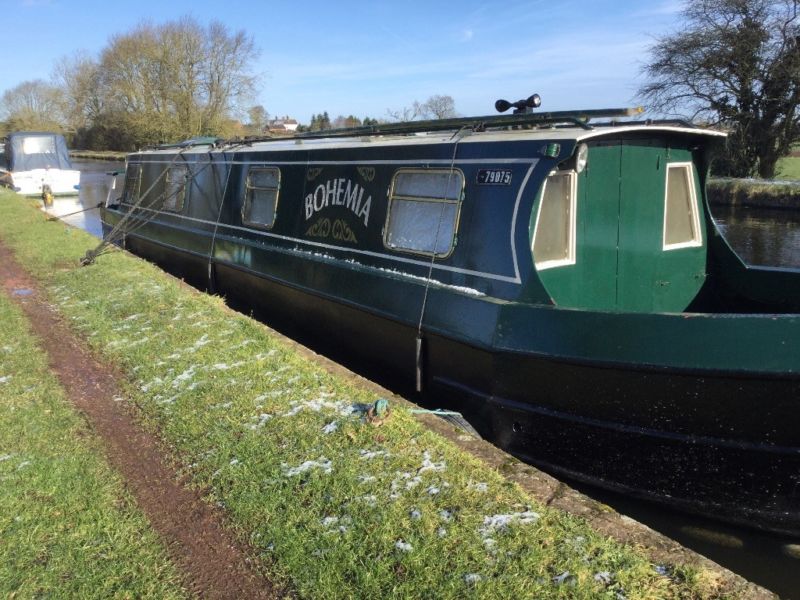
{"points": [[28, 150]]}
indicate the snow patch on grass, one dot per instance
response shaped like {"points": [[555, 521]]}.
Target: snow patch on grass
{"points": [[495, 523], [322, 464], [260, 420], [370, 454]]}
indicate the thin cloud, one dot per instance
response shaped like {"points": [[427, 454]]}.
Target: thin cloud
{"points": [[666, 8]]}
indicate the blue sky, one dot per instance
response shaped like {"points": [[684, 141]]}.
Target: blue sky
{"points": [[366, 57]]}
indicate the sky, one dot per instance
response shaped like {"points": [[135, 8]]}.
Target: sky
{"points": [[364, 58]]}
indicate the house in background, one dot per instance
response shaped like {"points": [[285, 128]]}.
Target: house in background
{"points": [[284, 124]]}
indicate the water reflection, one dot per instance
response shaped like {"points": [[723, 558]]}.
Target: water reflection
{"points": [[761, 236], [80, 210], [770, 560]]}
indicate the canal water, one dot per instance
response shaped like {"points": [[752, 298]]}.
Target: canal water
{"points": [[761, 237], [80, 210]]}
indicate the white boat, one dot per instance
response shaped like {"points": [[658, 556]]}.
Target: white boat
{"points": [[38, 159]]}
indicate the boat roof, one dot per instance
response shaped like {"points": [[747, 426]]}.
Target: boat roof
{"points": [[32, 134], [573, 126], [559, 134]]}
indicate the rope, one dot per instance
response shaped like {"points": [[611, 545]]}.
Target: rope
{"points": [[430, 266], [119, 230], [221, 205], [77, 212], [454, 418]]}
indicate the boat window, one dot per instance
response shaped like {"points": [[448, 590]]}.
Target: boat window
{"points": [[39, 144], [133, 182], [175, 188], [554, 233], [681, 218], [261, 196], [424, 207]]}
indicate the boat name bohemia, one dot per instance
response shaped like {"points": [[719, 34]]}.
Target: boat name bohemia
{"points": [[339, 192]]}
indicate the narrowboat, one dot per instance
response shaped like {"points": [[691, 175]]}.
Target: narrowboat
{"points": [[559, 279], [38, 162]]}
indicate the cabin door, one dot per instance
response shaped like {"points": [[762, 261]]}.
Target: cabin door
{"points": [[661, 252], [622, 259]]}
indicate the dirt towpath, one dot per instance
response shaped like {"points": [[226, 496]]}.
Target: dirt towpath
{"points": [[214, 563]]}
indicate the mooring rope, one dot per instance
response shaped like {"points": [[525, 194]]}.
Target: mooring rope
{"points": [[77, 212], [119, 230], [418, 361], [221, 205]]}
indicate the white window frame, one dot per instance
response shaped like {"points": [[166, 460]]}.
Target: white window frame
{"points": [[180, 193], [458, 203], [573, 222], [697, 240], [246, 203]]}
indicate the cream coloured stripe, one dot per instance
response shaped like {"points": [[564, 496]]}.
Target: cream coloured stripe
{"points": [[390, 257], [464, 161]]}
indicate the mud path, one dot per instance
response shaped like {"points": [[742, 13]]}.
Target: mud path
{"points": [[214, 564]]}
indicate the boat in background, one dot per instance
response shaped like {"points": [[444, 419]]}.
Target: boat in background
{"points": [[561, 281], [37, 163]]}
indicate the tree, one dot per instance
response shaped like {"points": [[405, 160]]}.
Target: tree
{"points": [[78, 78], [342, 122], [33, 105], [320, 122], [407, 113], [439, 107], [735, 63], [435, 107], [258, 117], [176, 80]]}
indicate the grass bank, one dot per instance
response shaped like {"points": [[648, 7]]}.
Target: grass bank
{"points": [[98, 155], [67, 526], [788, 168], [754, 193], [336, 506]]}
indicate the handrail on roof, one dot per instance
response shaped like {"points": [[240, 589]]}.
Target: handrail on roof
{"points": [[579, 118], [481, 123]]}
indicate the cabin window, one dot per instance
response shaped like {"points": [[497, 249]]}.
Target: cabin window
{"points": [[133, 182], [39, 144], [424, 207], [175, 188], [554, 233], [261, 197], [681, 218]]}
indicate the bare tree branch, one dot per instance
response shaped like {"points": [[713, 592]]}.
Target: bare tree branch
{"points": [[735, 63]]}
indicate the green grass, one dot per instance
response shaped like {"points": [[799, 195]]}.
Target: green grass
{"points": [[746, 192], [337, 507], [97, 155], [788, 168], [67, 527]]}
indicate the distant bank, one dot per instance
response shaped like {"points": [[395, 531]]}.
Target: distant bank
{"points": [[752, 193], [98, 155]]}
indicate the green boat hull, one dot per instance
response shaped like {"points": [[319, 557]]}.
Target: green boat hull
{"points": [[667, 371]]}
